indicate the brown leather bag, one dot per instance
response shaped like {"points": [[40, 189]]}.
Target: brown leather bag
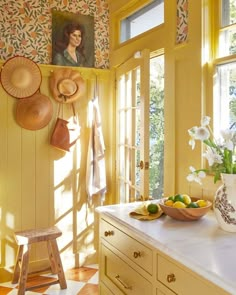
{"points": [[65, 133]]}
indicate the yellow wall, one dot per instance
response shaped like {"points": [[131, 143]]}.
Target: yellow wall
{"points": [[186, 88], [41, 186]]}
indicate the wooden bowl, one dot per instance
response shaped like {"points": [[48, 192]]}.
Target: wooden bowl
{"points": [[185, 214]]}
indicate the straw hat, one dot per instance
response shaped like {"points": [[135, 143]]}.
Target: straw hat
{"points": [[66, 85], [20, 77], [34, 112]]}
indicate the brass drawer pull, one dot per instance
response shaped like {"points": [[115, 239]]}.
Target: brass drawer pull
{"points": [[171, 278], [122, 283], [109, 233], [137, 254]]}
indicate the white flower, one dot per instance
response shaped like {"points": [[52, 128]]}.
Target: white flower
{"points": [[227, 135], [192, 143], [192, 133], [205, 121], [212, 156], [202, 133], [220, 152], [196, 175]]}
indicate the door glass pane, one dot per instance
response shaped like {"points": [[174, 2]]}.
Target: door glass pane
{"points": [[122, 191], [129, 127], [137, 168], [121, 161], [137, 84], [128, 100], [156, 131], [137, 128]]}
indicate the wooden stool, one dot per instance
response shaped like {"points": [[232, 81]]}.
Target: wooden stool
{"points": [[24, 240]]}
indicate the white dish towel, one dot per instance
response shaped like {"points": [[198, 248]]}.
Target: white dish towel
{"points": [[96, 169]]}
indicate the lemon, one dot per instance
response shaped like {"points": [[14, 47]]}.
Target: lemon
{"points": [[169, 203], [201, 203], [193, 205], [152, 208], [179, 198], [179, 204], [187, 199]]}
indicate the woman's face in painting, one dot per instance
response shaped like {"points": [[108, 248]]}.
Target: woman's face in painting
{"points": [[75, 38]]}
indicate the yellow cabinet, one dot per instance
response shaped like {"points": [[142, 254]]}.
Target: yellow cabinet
{"points": [[131, 265]]}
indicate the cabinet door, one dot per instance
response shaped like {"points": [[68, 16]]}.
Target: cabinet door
{"points": [[119, 277]]}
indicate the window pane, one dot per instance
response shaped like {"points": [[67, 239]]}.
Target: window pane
{"points": [[227, 42], [227, 34], [143, 20], [228, 12], [225, 98]]}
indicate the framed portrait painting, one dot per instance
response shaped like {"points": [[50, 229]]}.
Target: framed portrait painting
{"points": [[72, 39]]}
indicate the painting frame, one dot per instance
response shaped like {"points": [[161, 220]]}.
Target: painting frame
{"points": [[60, 21]]}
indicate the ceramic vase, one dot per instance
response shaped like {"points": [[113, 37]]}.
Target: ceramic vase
{"points": [[224, 204]]}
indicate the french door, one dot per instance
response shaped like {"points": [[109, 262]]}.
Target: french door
{"points": [[132, 168]]}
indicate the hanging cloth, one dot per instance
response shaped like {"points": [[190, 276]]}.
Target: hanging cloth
{"points": [[96, 170]]}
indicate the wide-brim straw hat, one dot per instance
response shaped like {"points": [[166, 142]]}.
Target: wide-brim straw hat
{"points": [[66, 85], [35, 112], [20, 77]]}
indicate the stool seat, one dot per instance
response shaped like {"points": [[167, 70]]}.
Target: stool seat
{"points": [[24, 240], [37, 235]]}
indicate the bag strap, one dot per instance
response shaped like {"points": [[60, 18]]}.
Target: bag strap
{"points": [[75, 119], [73, 109], [60, 110]]}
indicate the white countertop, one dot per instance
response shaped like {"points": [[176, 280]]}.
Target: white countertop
{"points": [[200, 245]]}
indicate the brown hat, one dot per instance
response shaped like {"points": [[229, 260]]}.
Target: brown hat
{"points": [[66, 85], [20, 77], [34, 112]]}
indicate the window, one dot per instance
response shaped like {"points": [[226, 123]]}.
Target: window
{"points": [[143, 20], [224, 106]]}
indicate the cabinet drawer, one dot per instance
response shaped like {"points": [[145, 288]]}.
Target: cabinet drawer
{"points": [[119, 277], [179, 280], [137, 252]]}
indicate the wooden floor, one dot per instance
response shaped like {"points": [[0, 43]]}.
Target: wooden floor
{"points": [[80, 281]]}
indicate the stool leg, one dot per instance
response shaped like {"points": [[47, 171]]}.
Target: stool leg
{"points": [[16, 272], [57, 259], [51, 258], [24, 270]]}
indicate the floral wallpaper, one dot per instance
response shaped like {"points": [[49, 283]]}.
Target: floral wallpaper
{"points": [[182, 21], [25, 28]]}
